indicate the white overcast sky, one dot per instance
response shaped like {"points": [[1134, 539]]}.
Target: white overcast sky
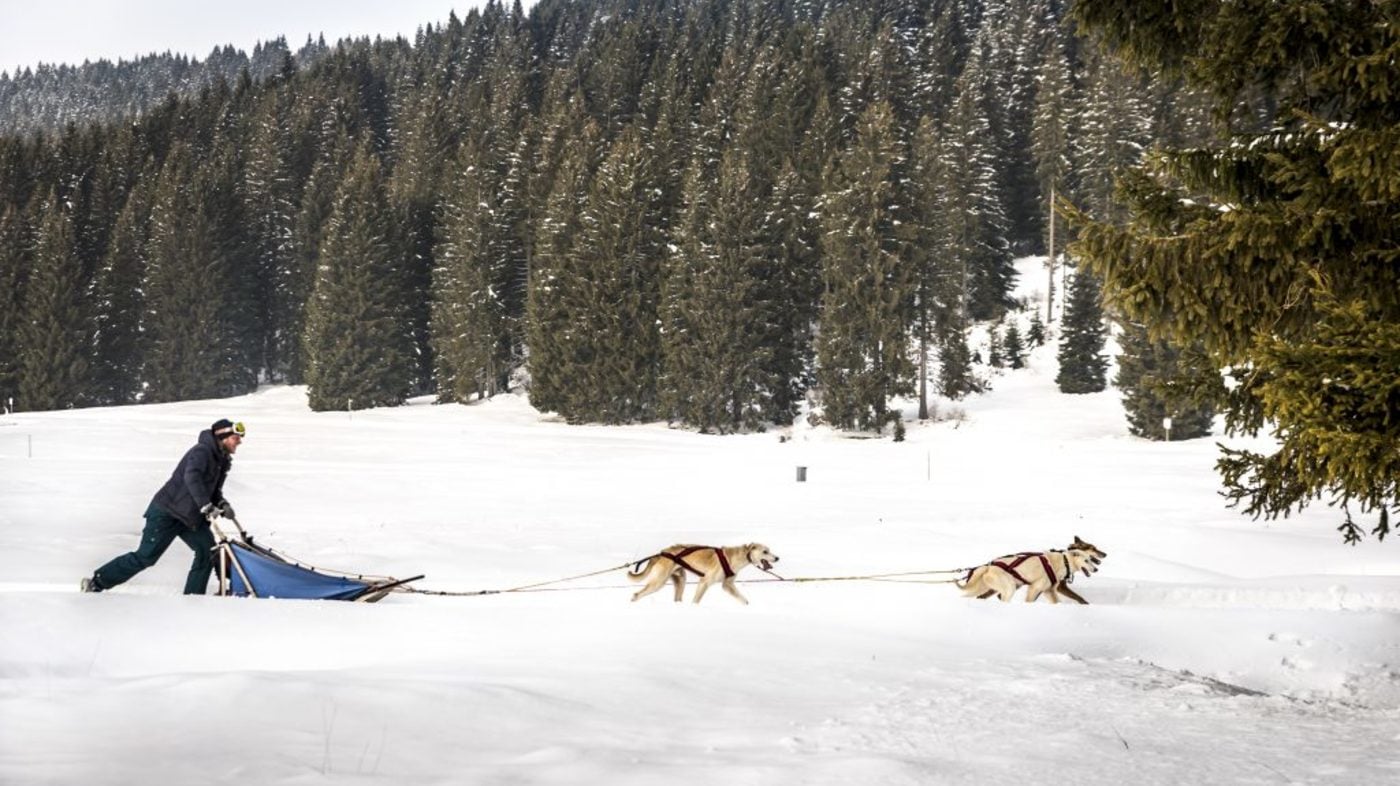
{"points": [[71, 31]]}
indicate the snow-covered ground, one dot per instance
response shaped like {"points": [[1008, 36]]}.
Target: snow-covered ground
{"points": [[1216, 650]]}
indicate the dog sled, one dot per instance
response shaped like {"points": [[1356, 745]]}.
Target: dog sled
{"points": [[248, 569]]}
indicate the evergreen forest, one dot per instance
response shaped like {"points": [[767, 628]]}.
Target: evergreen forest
{"points": [[48, 96], [703, 211], [719, 212]]}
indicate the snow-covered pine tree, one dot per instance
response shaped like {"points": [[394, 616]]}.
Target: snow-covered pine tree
{"points": [[937, 285], [613, 278], [1275, 249], [1159, 381], [1013, 346], [16, 262], [715, 372], [974, 221], [1083, 366], [942, 41], [240, 336], [56, 338], [358, 343], [955, 378], [557, 305], [470, 322], [1035, 336], [291, 293], [271, 190], [1111, 132], [417, 184], [186, 340], [118, 357], [1015, 29], [1051, 144], [862, 359], [939, 255]]}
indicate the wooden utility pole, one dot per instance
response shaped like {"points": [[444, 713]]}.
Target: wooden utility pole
{"points": [[923, 376], [1050, 263]]}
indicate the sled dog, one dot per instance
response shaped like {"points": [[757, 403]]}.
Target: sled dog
{"points": [[710, 564], [1041, 572]]}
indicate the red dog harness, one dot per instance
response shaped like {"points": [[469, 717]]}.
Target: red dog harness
{"points": [[1017, 559], [679, 559]]}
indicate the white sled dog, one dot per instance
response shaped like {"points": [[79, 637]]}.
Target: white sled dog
{"points": [[710, 564], [1048, 572]]}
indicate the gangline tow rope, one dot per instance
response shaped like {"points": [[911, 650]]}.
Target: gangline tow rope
{"points": [[905, 577]]}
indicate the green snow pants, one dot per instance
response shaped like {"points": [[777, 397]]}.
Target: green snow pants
{"points": [[161, 530]]}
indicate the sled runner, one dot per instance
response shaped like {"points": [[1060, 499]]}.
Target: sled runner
{"points": [[247, 569]]}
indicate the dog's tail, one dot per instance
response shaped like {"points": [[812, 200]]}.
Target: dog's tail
{"points": [[972, 583], [641, 567]]}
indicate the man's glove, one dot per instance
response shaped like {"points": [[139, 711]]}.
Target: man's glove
{"points": [[226, 510], [210, 511]]}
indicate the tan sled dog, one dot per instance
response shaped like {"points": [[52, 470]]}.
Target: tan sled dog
{"points": [[1039, 571], [710, 563]]}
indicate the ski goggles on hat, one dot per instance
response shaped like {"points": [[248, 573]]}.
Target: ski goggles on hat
{"points": [[233, 429]]}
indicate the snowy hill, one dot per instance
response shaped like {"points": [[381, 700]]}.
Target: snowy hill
{"points": [[1216, 649]]}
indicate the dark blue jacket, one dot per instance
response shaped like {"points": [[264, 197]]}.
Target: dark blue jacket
{"points": [[197, 480]]}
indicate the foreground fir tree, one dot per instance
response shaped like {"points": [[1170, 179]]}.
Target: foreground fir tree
{"points": [[359, 347], [1159, 381], [1276, 250], [1083, 366]]}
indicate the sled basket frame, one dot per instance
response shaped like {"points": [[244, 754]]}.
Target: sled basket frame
{"points": [[247, 569]]}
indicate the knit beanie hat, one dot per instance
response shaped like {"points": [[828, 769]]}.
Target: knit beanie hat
{"points": [[223, 427]]}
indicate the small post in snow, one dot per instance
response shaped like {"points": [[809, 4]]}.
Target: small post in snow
{"points": [[350, 407], [801, 474], [1167, 426]]}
